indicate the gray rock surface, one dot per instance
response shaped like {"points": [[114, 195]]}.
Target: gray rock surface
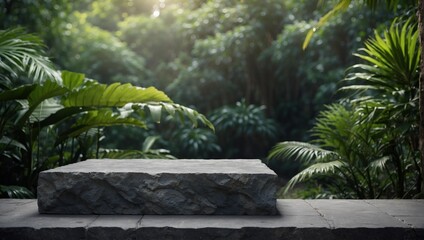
{"points": [[298, 219], [183, 187]]}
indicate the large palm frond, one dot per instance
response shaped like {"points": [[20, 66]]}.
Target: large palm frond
{"points": [[23, 54], [314, 170], [320, 161], [391, 62], [304, 152]]}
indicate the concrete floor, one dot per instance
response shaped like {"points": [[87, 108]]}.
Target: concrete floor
{"points": [[298, 219]]}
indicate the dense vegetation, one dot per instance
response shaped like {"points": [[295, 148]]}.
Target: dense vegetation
{"points": [[241, 63]]}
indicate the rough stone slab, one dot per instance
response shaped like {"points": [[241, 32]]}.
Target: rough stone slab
{"points": [[299, 219], [183, 187]]}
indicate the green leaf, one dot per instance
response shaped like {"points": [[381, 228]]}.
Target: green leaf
{"points": [[308, 38], [8, 141], [23, 53], [44, 91], [72, 80], [379, 163], [391, 68], [304, 152], [21, 92], [155, 111], [317, 169], [40, 93], [135, 154], [44, 110], [341, 6], [60, 115], [148, 143], [358, 87], [176, 111], [16, 192], [114, 95], [98, 118]]}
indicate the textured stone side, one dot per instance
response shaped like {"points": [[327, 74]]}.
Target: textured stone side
{"points": [[215, 187]]}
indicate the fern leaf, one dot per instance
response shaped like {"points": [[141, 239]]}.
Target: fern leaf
{"points": [[314, 170], [301, 151]]}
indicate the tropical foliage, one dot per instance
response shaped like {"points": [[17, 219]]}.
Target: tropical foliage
{"points": [[194, 143], [243, 129], [343, 5], [59, 120], [22, 57], [368, 147], [240, 49], [210, 55]]}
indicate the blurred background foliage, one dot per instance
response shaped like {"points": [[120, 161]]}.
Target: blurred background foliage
{"points": [[240, 63]]}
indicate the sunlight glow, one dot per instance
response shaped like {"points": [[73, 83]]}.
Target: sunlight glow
{"points": [[157, 7], [156, 13]]}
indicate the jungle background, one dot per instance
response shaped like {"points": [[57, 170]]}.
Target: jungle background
{"points": [[241, 64]]}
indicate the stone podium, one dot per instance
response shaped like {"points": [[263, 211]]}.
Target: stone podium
{"points": [[141, 186]]}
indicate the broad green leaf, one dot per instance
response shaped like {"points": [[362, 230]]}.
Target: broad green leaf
{"points": [[170, 109], [44, 91], [176, 111], [40, 93], [191, 114], [114, 95], [60, 115], [72, 80], [99, 118], [21, 92], [44, 110]]}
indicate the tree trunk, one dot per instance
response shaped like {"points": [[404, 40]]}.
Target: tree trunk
{"points": [[421, 91]]}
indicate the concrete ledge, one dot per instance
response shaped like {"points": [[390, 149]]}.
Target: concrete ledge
{"points": [[299, 219], [140, 186]]}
